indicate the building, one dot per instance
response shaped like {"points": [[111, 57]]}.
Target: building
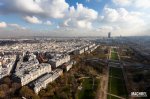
{"points": [[91, 46], [56, 73], [109, 35], [59, 60], [42, 82], [78, 51], [6, 65], [25, 65], [86, 49], [46, 79], [67, 66], [26, 75]]}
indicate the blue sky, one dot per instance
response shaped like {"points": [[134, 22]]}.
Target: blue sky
{"points": [[81, 17]]}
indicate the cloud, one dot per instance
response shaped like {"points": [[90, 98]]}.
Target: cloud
{"points": [[3, 25], [54, 8], [93, 0], [43, 8], [33, 20], [10, 25], [120, 20], [142, 4], [20, 6], [134, 3], [88, 0], [111, 15], [121, 15], [122, 2], [16, 26], [81, 17], [48, 23]]}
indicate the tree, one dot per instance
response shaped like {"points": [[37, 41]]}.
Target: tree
{"points": [[26, 92], [7, 81], [35, 97], [4, 87], [2, 94], [42, 93], [15, 86], [138, 77]]}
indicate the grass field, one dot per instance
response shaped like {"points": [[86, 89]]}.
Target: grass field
{"points": [[115, 72], [114, 56], [116, 84], [88, 90], [113, 49], [117, 87], [111, 97]]}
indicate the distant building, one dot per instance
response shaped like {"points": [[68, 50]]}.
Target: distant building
{"points": [[109, 35]]}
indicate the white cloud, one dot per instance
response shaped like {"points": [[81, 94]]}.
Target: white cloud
{"points": [[81, 17], [48, 23], [45, 8], [111, 15], [54, 8], [57, 26], [3, 25], [122, 2], [20, 6], [88, 0], [17, 26], [33, 20], [133, 3], [142, 3], [122, 21], [83, 12], [122, 15], [10, 25]]}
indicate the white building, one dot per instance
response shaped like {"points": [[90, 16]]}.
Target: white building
{"points": [[24, 65], [59, 60], [42, 82], [29, 74], [46, 79], [86, 49], [78, 51], [6, 65], [91, 46], [67, 66]]}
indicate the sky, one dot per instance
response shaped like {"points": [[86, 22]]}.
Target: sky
{"points": [[74, 17]]}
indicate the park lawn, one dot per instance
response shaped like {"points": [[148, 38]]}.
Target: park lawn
{"points": [[88, 90], [117, 87], [112, 97], [113, 50], [115, 72], [114, 56]]}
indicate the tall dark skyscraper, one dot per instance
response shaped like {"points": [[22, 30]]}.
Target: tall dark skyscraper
{"points": [[109, 35]]}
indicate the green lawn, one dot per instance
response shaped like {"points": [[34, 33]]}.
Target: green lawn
{"points": [[114, 56], [117, 87], [88, 90], [111, 97], [116, 84], [113, 49], [115, 72]]}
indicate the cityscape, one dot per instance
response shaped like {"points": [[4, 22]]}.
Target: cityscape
{"points": [[64, 49]]}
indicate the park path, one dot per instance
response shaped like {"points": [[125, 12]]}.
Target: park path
{"points": [[115, 96], [116, 77], [104, 81]]}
